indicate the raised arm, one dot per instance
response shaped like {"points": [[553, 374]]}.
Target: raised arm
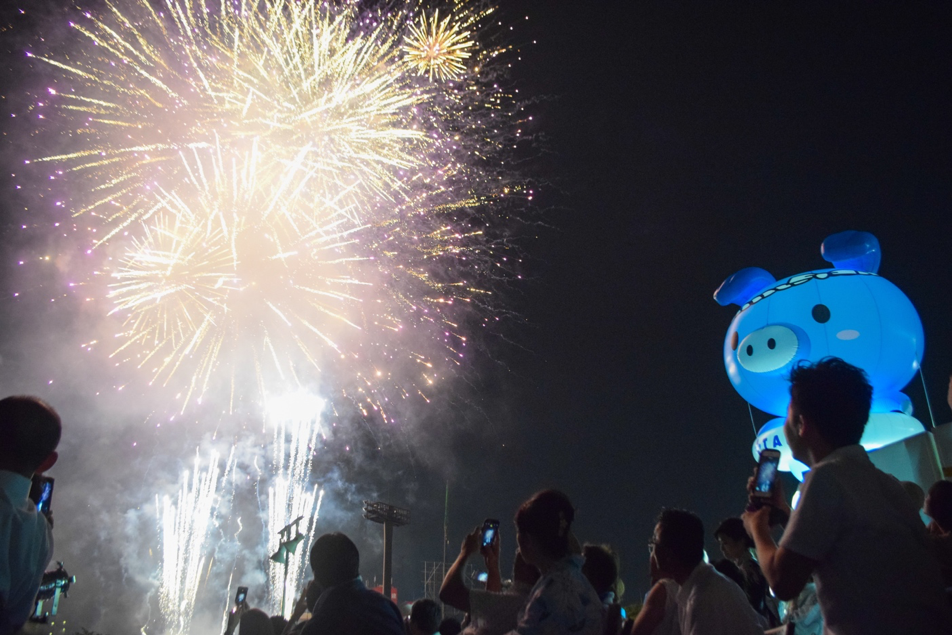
{"points": [[454, 591], [786, 571]]}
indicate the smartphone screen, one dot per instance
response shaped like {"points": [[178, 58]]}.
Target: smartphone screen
{"points": [[241, 595], [482, 576], [490, 527], [766, 472], [44, 494]]}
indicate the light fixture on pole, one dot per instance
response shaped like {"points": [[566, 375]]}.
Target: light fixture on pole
{"points": [[389, 516], [287, 545]]}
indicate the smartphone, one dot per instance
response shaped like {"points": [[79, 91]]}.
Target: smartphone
{"points": [[490, 527], [482, 576], [41, 493], [241, 595], [767, 469]]}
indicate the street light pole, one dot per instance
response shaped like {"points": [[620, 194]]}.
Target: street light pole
{"points": [[389, 516]]}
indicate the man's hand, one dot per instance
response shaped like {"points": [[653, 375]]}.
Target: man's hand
{"points": [[471, 543], [757, 521], [235, 616], [491, 551], [777, 501]]}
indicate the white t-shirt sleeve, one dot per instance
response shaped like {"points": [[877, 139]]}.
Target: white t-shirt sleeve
{"points": [[815, 524]]}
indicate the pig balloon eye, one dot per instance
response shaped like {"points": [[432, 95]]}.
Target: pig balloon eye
{"points": [[735, 338], [821, 313]]}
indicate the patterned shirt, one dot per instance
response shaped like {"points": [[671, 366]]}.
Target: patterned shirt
{"points": [[561, 602]]}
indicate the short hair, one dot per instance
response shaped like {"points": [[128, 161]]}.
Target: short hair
{"points": [[682, 535], [600, 568], [30, 430], [425, 614], [255, 622], [450, 626], [334, 559], [834, 394], [733, 528], [547, 517]]}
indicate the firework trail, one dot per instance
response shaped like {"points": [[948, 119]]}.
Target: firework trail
{"points": [[184, 527], [296, 422]]}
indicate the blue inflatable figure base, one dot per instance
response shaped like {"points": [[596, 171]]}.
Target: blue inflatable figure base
{"points": [[882, 428]]}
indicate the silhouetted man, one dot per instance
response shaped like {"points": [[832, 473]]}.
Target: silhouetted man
{"points": [[708, 603], [854, 528], [345, 604], [29, 433]]}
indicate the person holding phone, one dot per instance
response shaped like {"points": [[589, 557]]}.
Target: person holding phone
{"points": [[562, 601], [855, 528], [30, 430], [491, 611]]}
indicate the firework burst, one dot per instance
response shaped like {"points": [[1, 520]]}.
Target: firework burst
{"points": [[286, 191], [438, 48]]}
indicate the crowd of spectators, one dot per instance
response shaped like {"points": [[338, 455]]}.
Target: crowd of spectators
{"points": [[854, 556]]}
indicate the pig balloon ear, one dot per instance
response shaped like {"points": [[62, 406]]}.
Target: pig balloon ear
{"points": [[852, 250], [742, 286]]}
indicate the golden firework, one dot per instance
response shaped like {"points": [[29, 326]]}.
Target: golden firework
{"points": [[437, 47]]}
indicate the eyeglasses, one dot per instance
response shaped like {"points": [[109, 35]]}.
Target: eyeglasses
{"points": [[651, 545]]}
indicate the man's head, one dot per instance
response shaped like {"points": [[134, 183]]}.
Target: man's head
{"points": [[600, 568], [30, 430], [334, 560], [678, 542], [424, 617], [733, 539], [829, 405]]}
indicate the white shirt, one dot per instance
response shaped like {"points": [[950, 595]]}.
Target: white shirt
{"points": [[26, 547], [495, 613], [875, 573], [710, 604]]}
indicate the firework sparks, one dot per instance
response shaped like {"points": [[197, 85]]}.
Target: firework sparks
{"points": [[185, 524], [439, 48], [287, 190], [296, 422]]}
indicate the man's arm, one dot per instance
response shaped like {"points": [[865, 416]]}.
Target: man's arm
{"points": [[652, 613], [786, 571], [454, 591]]}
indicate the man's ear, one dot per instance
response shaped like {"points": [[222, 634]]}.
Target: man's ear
{"points": [[806, 427], [47, 463]]}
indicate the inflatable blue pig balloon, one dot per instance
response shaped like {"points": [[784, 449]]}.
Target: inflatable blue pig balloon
{"points": [[847, 311]]}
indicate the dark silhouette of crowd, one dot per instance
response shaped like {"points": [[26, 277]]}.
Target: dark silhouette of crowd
{"points": [[853, 557]]}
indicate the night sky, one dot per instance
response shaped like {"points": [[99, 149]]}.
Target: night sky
{"points": [[677, 143]]}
